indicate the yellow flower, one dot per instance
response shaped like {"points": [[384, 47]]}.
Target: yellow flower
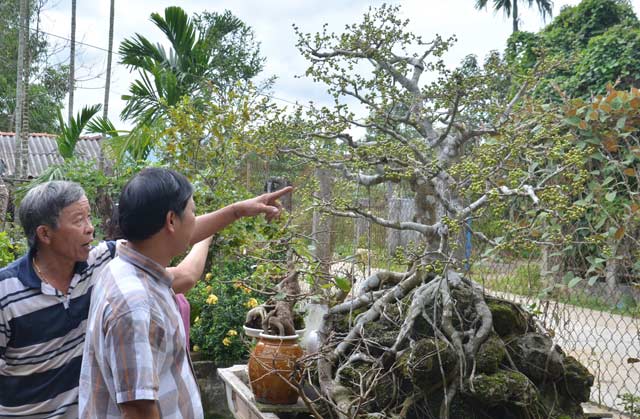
{"points": [[232, 332], [208, 289], [196, 348], [208, 276], [251, 303], [226, 341], [212, 299], [197, 319], [246, 290]]}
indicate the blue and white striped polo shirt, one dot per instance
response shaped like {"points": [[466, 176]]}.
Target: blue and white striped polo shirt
{"points": [[42, 337]]}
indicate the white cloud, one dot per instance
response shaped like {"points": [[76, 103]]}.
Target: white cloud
{"points": [[478, 32]]}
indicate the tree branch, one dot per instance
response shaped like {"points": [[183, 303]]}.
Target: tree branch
{"points": [[427, 230]]}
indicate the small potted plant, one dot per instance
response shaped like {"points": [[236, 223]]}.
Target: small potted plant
{"points": [[272, 363]]}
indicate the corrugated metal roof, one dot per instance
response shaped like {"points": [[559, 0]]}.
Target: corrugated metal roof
{"points": [[43, 152]]}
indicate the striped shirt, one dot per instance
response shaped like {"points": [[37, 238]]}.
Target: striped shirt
{"points": [[42, 336], [136, 346]]}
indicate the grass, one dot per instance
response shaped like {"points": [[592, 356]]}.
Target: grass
{"points": [[526, 280]]}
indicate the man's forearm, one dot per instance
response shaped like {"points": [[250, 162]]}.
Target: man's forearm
{"points": [[140, 409], [267, 204], [187, 273], [211, 223]]}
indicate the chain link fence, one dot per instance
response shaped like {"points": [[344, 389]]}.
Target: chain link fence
{"points": [[597, 324]]}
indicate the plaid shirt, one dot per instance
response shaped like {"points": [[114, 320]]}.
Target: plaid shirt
{"points": [[135, 346]]}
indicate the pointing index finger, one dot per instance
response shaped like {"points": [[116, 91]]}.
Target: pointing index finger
{"points": [[277, 194]]}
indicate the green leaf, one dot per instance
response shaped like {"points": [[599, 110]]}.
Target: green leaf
{"points": [[600, 222], [593, 280], [610, 196], [574, 282], [568, 276], [573, 121], [621, 122], [343, 283]]}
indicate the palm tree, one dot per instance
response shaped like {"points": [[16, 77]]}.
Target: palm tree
{"points": [[107, 85], [70, 132], [164, 76], [210, 50], [510, 8]]}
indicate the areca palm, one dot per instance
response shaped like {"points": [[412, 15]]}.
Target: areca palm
{"points": [[510, 8], [194, 59], [70, 132], [164, 76], [210, 50]]}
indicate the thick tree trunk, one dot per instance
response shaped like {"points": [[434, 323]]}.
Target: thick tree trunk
{"points": [[515, 16], [4, 202], [72, 59], [107, 85], [20, 149], [613, 266], [323, 223]]}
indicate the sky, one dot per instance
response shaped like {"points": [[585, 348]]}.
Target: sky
{"points": [[478, 32]]}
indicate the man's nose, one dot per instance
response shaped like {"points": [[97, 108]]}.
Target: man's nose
{"points": [[90, 229]]}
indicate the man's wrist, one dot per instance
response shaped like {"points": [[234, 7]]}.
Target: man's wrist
{"points": [[235, 211]]}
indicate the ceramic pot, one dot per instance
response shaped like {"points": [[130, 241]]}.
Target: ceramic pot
{"points": [[251, 332], [255, 333], [272, 369]]}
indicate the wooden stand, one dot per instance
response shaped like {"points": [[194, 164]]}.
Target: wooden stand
{"points": [[241, 402]]}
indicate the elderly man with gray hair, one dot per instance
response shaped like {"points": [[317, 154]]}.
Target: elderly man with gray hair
{"points": [[45, 295]]}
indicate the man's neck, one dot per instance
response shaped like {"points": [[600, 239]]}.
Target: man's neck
{"points": [[53, 269], [153, 249]]}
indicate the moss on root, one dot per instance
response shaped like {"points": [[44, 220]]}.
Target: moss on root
{"points": [[501, 388], [421, 365], [507, 321], [490, 355]]}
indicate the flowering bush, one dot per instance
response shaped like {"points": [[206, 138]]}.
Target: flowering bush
{"points": [[219, 305]]}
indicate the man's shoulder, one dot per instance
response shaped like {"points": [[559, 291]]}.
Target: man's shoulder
{"points": [[103, 252], [98, 258], [122, 287], [12, 270]]}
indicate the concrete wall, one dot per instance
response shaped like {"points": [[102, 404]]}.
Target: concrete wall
{"points": [[214, 399]]}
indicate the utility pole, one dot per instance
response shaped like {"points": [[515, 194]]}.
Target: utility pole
{"points": [[107, 86], [72, 59]]}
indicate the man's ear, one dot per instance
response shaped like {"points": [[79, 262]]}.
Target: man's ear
{"points": [[170, 221], [43, 234]]}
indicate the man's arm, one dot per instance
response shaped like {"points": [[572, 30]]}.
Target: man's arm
{"points": [[132, 351], [140, 409], [209, 224], [187, 273]]}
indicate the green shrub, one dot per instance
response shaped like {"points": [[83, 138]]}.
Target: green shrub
{"points": [[6, 249], [630, 403], [218, 309], [10, 247]]}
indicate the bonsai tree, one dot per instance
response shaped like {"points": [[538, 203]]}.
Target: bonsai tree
{"points": [[468, 143]]}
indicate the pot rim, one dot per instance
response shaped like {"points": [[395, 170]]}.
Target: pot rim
{"points": [[270, 336]]}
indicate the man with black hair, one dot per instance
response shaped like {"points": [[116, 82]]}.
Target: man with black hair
{"points": [[135, 362], [45, 297]]}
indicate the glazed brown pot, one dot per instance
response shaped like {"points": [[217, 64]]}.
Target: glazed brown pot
{"points": [[272, 369]]}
